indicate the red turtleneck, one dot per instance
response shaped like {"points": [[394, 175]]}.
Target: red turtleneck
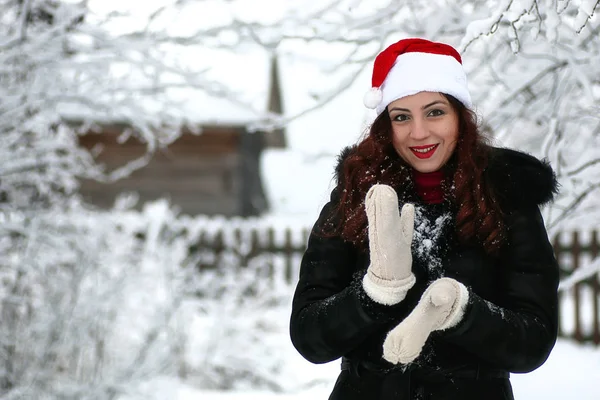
{"points": [[429, 186]]}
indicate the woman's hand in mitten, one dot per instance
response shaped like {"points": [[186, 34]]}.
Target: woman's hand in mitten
{"points": [[441, 307], [389, 275]]}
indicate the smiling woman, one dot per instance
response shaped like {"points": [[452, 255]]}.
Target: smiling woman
{"points": [[425, 130], [429, 272]]}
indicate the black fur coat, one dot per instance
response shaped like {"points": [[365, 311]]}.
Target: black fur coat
{"points": [[510, 323]]}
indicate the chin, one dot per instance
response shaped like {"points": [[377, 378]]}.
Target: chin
{"points": [[426, 168]]}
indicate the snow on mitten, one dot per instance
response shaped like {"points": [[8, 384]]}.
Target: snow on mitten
{"points": [[441, 307], [389, 275]]}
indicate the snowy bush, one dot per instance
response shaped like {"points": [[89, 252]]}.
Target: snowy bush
{"points": [[238, 335], [91, 318], [130, 297]]}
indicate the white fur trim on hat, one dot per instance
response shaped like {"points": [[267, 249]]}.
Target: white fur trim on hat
{"points": [[424, 72]]}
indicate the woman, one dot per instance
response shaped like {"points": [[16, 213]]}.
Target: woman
{"points": [[443, 299]]}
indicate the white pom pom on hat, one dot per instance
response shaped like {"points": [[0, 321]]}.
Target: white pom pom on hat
{"points": [[415, 65], [373, 98]]}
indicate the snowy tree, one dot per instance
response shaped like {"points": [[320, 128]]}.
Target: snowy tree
{"points": [[68, 287], [60, 60], [92, 303], [533, 68]]}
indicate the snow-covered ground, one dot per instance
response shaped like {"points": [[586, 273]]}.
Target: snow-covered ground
{"points": [[571, 372]]}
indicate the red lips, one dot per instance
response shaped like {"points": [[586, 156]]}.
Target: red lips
{"points": [[424, 154]]}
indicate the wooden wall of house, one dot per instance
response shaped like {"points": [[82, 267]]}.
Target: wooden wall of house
{"points": [[198, 173]]}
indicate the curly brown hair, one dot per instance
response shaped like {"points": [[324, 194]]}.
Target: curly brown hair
{"points": [[374, 160]]}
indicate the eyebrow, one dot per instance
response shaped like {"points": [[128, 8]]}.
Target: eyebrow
{"points": [[424, 107]]}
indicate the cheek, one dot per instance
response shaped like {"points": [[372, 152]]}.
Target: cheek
{"points": [[398, 138], [399, 144], [451, 137], [450, 149]]}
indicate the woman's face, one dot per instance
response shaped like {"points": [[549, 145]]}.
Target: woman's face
{"points": [[425, 130]]}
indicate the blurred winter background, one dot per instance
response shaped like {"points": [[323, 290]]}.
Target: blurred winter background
{"points": [[162, 161]]}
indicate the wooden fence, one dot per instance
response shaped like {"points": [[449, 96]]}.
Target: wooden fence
{"points": [[579, 306]]}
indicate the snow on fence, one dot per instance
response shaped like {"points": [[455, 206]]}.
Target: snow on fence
{"points": [[283, 246], [273, 248], [579, 303], [576, 252]]}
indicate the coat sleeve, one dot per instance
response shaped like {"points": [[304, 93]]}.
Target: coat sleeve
{"points": [[518, 333], [331, 313]]}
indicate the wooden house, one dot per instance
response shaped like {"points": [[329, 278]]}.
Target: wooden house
{"points": [[216, 172]]}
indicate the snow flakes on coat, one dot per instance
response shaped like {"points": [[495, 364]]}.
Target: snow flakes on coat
{"points": [[426, 240]]}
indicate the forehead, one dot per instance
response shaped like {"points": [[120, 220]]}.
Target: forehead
{"points": [[419, 100]]}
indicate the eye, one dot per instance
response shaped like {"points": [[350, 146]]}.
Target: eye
{"points": [[400, 117], [436, 112]]}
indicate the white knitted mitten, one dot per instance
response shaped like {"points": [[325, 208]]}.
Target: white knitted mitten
{"points": [[441, 307], [389, 275]]}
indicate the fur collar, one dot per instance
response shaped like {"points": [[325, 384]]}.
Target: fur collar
{"points": [[346, 151], [518, 179]]}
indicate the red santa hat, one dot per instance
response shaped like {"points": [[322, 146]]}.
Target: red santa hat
{"points": [[411, 66]]}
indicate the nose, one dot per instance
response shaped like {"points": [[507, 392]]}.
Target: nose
{"points": [[419, 129]]}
